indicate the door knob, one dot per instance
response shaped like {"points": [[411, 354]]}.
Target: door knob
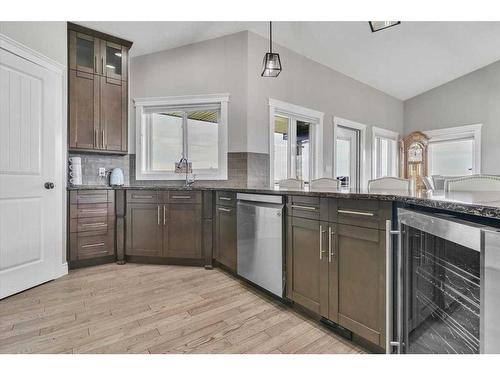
{"points": [[49, 185]]}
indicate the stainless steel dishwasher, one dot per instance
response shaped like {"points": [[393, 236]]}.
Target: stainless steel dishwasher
{"points": [[260, 240]]}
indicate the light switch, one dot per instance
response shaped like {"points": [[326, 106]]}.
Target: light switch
{"points": [[102, 172]]}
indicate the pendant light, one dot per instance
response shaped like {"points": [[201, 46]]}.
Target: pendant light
{"points": [[271, 65]]}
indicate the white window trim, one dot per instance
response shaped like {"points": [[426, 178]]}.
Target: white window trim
{"points": [[460, 132], [384, 133], [278, 107], [141, 104], [362, 135]]}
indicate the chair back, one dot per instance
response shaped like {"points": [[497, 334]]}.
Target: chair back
{"points": [[325, 183], [291, 183], [477, 182], [389, 184]]}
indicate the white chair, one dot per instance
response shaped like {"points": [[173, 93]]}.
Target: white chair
{"points": [[429, 184], [389, 184], [477, 182], [325, 183], [291, 183]]}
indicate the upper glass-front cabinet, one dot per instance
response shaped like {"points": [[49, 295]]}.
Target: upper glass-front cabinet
{"points": [[84, 53], [93, 55]]}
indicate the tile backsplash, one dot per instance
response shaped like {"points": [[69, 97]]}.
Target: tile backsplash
{"points": [[245, 169]]}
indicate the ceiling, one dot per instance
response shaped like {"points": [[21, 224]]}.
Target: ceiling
{"points": [[402, 61]]}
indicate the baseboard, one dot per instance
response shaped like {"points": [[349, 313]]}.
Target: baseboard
{"points": [[61, 270]]}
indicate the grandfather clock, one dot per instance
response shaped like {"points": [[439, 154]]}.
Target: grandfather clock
{"points": [[413, 158]]}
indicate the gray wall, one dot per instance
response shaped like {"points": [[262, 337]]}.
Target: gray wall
{"points": [[214, 66], [470, 99]]}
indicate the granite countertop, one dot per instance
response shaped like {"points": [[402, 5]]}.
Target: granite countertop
{"points": [[484, 204]]}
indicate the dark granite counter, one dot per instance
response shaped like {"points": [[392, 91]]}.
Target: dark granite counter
{"points": [[484, 204]]}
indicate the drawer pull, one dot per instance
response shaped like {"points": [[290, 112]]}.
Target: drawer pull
{"points": [[355, 213], [93, 224], [142, 196], [180, 197], [94, 245], [299, 207], [101, 211], [224, 209], [225, 199]]}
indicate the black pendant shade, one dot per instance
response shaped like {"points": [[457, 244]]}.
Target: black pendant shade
{"points": [[271, 65]]}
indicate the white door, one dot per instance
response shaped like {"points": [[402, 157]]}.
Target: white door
{"points": [[30, 214], [347, 159]]}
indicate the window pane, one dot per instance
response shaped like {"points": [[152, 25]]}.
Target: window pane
{"points": [[114, 60], [166, 140], [85, 53], [280, 148], [451, 158], [203, 139], [343, 152], [303, 150], [384, 157]]}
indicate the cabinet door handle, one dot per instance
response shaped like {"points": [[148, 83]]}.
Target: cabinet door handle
{"points": [[321, 251], [389, 302], [303, 207], [224, 209], [180, 197], [95, 138], [158, 215], [95, 64], [164, 215], [330, 253], [359, 213], [225, 199], [102, 139], [102, 65], [142, 196]]}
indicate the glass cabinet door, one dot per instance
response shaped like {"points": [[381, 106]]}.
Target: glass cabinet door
{"points": [[84, 50], [442, 294], [112, 55]]}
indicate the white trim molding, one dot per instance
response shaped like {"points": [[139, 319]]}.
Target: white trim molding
{"points": [[61, 270], [362, 142], [460, 132], [277, 107], [143, 105], [388, 134]]}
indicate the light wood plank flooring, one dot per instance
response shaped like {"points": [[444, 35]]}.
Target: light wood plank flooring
{"points": [[137, 308]]}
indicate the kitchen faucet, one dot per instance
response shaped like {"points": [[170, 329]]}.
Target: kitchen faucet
{"points": [[184, 165]]}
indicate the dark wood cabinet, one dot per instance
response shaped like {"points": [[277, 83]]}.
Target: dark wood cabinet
{"points": [[98, 92], [183, 231], [83, 110], [91, 227], [307, 263], [226, 236], [357, 298], [144, 229]]}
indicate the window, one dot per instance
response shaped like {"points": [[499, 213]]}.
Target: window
{"points": [[175, 127], [385, 153], [294, 152], [455, 151]]}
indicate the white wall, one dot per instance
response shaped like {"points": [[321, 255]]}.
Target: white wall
{"points": [[214, 66], [470, 99], [49, 39], [309, 84]]}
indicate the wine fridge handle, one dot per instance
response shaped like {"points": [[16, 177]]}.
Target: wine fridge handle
{"points": [[389, 292]]}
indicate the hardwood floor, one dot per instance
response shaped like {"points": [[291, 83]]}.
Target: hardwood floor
{"points": [[137, 308]]}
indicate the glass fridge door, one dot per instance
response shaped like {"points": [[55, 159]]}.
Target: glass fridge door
{"points": [[441, 283]]}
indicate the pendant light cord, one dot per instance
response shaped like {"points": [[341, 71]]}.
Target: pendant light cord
{"points": [[270, 36]]}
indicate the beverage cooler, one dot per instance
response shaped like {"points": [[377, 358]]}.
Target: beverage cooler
{"points": [[443, 285]]}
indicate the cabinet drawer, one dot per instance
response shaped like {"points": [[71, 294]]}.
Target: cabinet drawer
{"points": [[101, 224], [314, 208], [363, 213], [91, 210], [94, 245], [184, 196], [91, 196], [226, 198], [142, 196]]}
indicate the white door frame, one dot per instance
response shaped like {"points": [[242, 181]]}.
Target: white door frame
{"points": [[60, 93], [336, 121], [284, 108]]}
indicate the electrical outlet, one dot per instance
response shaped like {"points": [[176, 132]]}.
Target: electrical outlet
{"points": [[102, 172]]}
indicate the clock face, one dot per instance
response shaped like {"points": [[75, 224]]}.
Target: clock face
{"points": [[415, 153]]}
